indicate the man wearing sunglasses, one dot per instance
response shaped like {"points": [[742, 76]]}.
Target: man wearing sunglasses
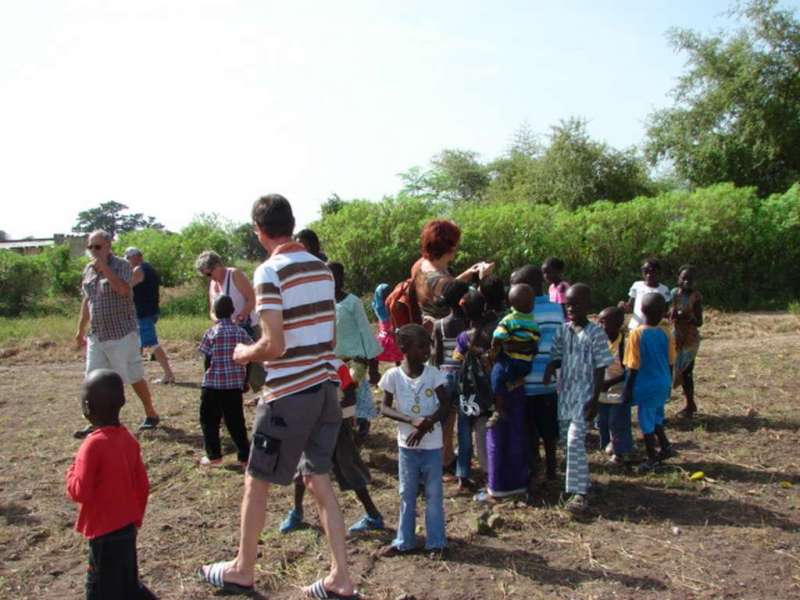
{"points": [[107, 311]]}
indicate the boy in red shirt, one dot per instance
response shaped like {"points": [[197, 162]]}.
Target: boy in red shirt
{"points": [[109, 482]]}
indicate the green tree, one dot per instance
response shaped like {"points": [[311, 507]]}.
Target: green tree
{"points": [[247, 245], [416, 183], [513, 173], [110, 216], [457, 175], [573, 170], [736, 111], [332, 205]]}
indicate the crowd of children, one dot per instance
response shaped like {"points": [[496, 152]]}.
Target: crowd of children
{"points": [[533, 354]]}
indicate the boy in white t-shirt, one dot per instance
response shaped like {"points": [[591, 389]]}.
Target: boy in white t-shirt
{"points": [[415, 395], [651, 271]]}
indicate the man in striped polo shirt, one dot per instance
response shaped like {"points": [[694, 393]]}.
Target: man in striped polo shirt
{"points": [[541, 401], [298, 418]]}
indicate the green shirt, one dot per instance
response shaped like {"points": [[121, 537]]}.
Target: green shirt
{"points": [[518, 327]]}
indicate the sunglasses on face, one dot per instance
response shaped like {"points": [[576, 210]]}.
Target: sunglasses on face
{"points": [[205, 273], [94, 247]]}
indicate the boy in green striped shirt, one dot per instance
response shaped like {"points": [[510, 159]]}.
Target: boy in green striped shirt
{"points": [[514, 344]]}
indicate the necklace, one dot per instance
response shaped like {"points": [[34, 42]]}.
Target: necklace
{"points": [[416, 392]]}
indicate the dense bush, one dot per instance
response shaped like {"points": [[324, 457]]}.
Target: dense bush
{"points": [[62, 272], [746, 249], [22, 282], [376, 241]]}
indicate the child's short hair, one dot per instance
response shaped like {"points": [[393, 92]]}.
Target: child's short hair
{"points": [[103, 394], [452, 293], [528, 274], [691, 268], [653, 263], [653, 308], [493, 290], [553, 262], [474, 305], [520, 296], [223, 307], [411, 333], [613, 312], [272, 214]]}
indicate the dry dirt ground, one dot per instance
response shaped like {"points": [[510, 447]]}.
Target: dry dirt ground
{"points": [[733, 534]]}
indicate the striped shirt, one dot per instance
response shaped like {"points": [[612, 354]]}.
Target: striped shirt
{"points": [[112, 315], [549, 317], [300, 286], [218, 344], [581, 353], [517, 327]]}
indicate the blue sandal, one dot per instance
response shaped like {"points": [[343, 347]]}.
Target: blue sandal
{"points": [[293, 520]]}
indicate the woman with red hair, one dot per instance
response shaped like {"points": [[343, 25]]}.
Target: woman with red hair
{"points": [[439, 242], [439, 245]]}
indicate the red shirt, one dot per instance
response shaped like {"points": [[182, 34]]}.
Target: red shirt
{"points": [[108, 481]]}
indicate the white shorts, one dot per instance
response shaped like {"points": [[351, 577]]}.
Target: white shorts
{"points": [[121, 356]]}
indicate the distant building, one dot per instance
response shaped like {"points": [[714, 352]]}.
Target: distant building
{"points": [[30, 246]]}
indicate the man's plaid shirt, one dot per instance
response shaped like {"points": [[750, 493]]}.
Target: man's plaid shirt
{"points": [[112, 315], [218, 344]]}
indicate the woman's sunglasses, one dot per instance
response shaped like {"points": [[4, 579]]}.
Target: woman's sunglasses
{"points": [[94, 247]]}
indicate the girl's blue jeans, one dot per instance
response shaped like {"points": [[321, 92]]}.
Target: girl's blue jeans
{"points": [[415, 466]]}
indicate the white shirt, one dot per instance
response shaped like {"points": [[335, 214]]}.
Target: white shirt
{"points": [[637, 292], [415, 397]]}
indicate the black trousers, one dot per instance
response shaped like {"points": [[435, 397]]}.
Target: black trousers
{"points": [[113, 568], [216, 405]]}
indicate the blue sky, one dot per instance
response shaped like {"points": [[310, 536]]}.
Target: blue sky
{"points": [[183, 107]]}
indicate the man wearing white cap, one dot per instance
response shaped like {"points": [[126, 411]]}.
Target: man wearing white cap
{"points": [[145, 284]]}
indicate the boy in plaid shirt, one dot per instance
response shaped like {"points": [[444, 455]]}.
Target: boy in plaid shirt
{"points": [[223, 382]]}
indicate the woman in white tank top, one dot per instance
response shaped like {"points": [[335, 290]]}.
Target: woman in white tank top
{"points": [[231, 282]]}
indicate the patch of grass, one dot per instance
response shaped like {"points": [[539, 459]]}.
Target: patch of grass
{"points": [[794, 308], [189, 328], [53, 327], [61, 328], [675, 479]]}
